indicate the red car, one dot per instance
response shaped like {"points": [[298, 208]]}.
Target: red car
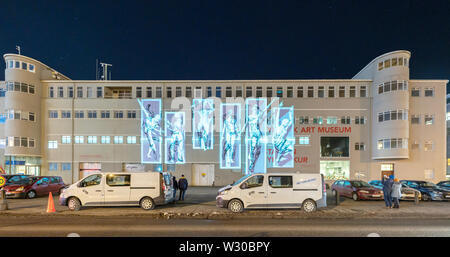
{"points": [[31, 187], [356, 189]]}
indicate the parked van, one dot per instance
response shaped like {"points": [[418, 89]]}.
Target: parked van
{"points": [[274, 190], [145, 189]]}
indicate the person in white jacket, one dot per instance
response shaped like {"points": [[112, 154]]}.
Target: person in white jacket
{"points": [[396, 192]]}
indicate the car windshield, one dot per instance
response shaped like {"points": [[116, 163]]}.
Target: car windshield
{"points": [[428, 185], [240, 180], [360, 184]]}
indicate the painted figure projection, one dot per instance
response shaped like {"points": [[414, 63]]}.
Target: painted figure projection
{"points": [[283, 139], [151, 138], [255, 144], [230, 136], [203, 124], [175, 137]]}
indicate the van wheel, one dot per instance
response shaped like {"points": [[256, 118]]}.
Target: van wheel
{"points": [[309, 205], [235, 206], [31, 194], [74, 204], [355, 196], [147, 203]]}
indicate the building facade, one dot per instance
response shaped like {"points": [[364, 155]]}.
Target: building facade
{"points": [[378, 122]]}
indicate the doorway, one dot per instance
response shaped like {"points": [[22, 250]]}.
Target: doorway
{"points": [[387, 169], [202, 174]]}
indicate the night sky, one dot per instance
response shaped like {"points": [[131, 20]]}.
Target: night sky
{"points": [[174, 40]]}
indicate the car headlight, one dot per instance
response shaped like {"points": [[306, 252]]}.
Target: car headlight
{"points": [[364, 191], [20, 189], [223, 192]]}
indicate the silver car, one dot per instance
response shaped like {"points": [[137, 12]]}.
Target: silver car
{"points": [[407, 192]]}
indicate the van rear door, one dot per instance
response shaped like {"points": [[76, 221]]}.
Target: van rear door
{"points": [[117, 189]]}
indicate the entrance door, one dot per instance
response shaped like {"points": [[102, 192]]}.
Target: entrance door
{"points": [[387, 169], [203, 174]]}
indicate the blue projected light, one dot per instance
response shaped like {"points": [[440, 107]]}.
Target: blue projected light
{"points": [[255, 135], [203, 124], [175, 138], [230, 136], [151, 138], [283, 138]]}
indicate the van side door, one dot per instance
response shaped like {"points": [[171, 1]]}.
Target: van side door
{"points": [[254, 192], [117, 189], [90, 190], [280, 192]]}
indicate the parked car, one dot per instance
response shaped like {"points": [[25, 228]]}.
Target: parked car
{"points": [[16, 178], [144, 189], [430, 191], [274, 190], [356, 189], [408, 193], [31, 187], [444, 184]]}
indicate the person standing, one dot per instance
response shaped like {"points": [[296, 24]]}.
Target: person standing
{"points": [[396, 192], [387, 189], [182, 185], [175, 187]]}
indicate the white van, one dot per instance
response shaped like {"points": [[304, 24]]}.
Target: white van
{"points": [[145, 189], [274, 190]]}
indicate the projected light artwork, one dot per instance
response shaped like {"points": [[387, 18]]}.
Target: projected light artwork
{"points": [[255, 133], [151, 139], [283, 138], [175, 137], [230, 136], [203, 124]]}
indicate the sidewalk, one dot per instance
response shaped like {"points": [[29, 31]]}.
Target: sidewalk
{"points": [[200, 204]]}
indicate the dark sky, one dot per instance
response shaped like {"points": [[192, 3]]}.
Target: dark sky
{"points": [[173, 40]]}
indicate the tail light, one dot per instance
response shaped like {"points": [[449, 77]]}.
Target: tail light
{"points": [[163, 186]]}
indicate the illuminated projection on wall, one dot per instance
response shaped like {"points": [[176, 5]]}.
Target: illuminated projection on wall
{"points": [[203, 124], [283, 138], [255, 135], [151, 138], [175, 138], [230, 136]]}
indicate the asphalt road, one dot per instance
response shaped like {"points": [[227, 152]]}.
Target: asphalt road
{"points": [[56, 226]]}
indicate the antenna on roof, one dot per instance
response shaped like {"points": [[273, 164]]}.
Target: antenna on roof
{"points": [[18, 49], [96, 69], [105, 71]]}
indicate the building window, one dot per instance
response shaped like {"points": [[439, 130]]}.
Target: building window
{"points": [[290, 92], [23, 88], [118, 114], [79, 139], [52, 144], [392, 143], [248, 92], [239, 91], [429, 92], [361, 120], [69, 92], [345, 120], [118, 139], [394, 62], [17, 88], [158, 92], [16, 141], [360, 147], [24, 66], [31, 116], [79, 92], [66, 139], [318, 120], [52, 166], [352, 91], [105, 114], [106, 140], [79, 114], [60, 92], [228, 92], [279, 92], [92, 140], [269, 92], [67, 166], [24, 142], [363, 91], [138, 92], [131, 139], [415, 119], [304, 120], [303, 140], [331, 92], [169, 92], [415, 92], [310, 92], [428, 146], [300, 92], [219, 92], [149, 92], [258, 91], [92, 114], [131, 114], [31, 142], [52, 114], [51, 92], [331, 120], [89, 92], [320, 92], [429, 119], [65, 114], [188, 92], [387, 63], [342, 91]]}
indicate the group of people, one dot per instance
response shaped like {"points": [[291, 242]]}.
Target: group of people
{"points": [[392, 190], [182, 185]]}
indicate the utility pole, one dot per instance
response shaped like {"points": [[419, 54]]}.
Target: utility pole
{"points": [[18, 49]]}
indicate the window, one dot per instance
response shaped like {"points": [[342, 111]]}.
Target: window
{"points": [[429, 119], [331, 120], [118, 114], [17, 64], [66, 139], [131, 139], [92, 140], [331, 91], [318, 120], [303, 119], [65, 114], [158, 92], [131, 114], [363, 91], [79, 139], [387, 86], [118, 139], [31, 116], [279, 92], [52, 144], [31, 142], [239, 91], [345, 120], [188, 92], [387, 116], [255, 181], [51, 92], [53, 114], [92, 114], [360, 120], [52, 166], [219, 92], [228, 92], [17, 87], [380, 65], [258, 91], [169, 92], [149, 92], [16, 141], [429, 92], [23, 88], [300, 92], [89, 92], [99, 92], [269, 92], [79, 114], [428, 146], [138, 92], [290, 92], [400, 61], [360, 147], [79, 92], [106, 140], [92, 180], [342, 91], [24, 66], [320, 92], [387, 63], [415, 92], [105, 114], [394, 62], [248, 92], [280, 181], [10, 64], [310, 92], [24, 142], [352, 91], [69, 92], [115, 180], [60, 92], [67, 166], [415, 119], [304, 140], [334, 146]]}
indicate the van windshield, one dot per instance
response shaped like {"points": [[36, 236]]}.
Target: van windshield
{"points": [[240, 180]]}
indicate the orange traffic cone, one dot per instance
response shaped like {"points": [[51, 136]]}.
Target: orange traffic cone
{"points": [[50, 205]]}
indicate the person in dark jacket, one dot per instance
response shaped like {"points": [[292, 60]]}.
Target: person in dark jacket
{"points": [[387, 189], [175, 187], [182, 185]]}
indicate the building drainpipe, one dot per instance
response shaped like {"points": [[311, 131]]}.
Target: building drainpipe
{"points": [[72, 139]]}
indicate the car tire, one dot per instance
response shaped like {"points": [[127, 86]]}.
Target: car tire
{"points": [[147, 203], [236, 206], [426, 197], [74, 204], [31, 194], [355, 197], [309, 206]]}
